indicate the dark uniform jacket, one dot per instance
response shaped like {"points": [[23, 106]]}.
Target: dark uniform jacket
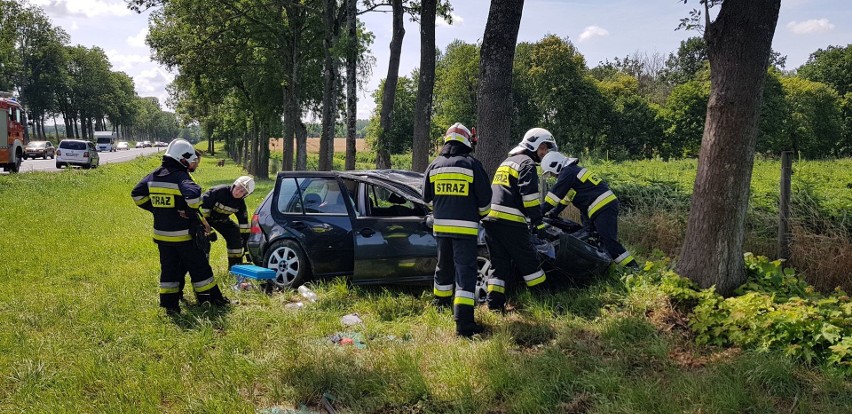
{"points": [[217, 204], [577, 185], [456, 187], [173, 197], [515, 196]]}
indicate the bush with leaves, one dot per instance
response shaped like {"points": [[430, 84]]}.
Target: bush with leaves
{"points": [[773, 311]]}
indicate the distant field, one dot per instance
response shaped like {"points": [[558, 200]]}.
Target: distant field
{"points": [[314, 144]]}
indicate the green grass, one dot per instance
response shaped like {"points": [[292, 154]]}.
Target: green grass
{"points": [[80, 331]]}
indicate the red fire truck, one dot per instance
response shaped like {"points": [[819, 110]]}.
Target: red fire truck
{"points": [[11, 133]]}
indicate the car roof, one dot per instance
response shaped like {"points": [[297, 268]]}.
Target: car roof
{"points": [[74, 140], [406, 181]]}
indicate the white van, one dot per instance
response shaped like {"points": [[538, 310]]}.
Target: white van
{"points": [[105, 140]]}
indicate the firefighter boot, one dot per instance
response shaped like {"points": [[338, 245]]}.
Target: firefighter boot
{"points": [[212, 296], [496, 301], [465, 325], [441, 304], [234, 261], [171, 302]]}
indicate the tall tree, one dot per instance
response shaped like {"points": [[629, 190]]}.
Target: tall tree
{"points": [[425, 84], [832, 66], [494, 95], [351, 81], [382, 151], [329, 72], [738, 47]]}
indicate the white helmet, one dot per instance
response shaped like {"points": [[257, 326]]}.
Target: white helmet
{"points": [[533, 139], [553, 162], [182, 151], [246, 182], [459, 132]]}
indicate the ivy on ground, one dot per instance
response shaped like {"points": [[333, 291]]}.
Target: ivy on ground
{"points": [[775, 310]]}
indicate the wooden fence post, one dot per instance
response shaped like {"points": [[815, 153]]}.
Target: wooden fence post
{"points": [[784, 206]]}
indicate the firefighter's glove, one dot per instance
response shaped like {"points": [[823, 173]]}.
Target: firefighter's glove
{"points": [[540, 231]]}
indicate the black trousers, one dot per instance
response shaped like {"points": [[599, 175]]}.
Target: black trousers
{"points": [[176, 259], [605, 222], [455, 276], [230, 231], [509, 247]]}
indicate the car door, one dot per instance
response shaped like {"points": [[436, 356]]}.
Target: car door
{"points": [[311, 208], [392, 242]]}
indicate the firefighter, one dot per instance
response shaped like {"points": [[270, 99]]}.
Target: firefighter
{"points": [[591, 195], [515, 211], [456, 186], [171, 195], [217, 206]]}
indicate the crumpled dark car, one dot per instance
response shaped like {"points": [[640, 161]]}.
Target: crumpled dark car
{"points": [[369, 225]]}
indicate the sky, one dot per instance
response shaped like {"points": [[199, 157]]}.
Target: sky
{"points": [[600, 29]]}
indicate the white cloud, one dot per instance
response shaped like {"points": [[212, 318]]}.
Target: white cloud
{"points": [[124, 62], [810, 26], [87, 8], [152, 82], [593, 31], [139, 39], [457, 20], [74, 26]]}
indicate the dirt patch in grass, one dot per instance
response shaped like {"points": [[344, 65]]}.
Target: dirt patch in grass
{"points": [[687, 357], [581, 403]]}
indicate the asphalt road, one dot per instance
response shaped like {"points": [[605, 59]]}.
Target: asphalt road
{"points": [[106, 158]]}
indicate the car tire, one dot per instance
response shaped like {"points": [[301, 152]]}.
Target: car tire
{"points": [[58, 166], [289, 262], [484, 272]]}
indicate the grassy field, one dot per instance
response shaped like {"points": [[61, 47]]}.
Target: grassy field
{"points": [[80, 332]]}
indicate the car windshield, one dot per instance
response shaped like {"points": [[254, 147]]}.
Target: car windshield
{"points": [[37, 144], [72, 145], [104, 140]]}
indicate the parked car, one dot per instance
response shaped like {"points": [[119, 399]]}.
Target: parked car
{"points": [[140, 144], [77, 152], [122, 145], [160, 144], [39, 149], [371, 225]]}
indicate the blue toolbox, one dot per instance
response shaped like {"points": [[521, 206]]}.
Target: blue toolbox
{"points": [[252, 272]]}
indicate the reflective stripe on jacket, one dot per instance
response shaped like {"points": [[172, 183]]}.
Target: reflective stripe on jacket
{"points": [[577, 185], [456, 186], [515, 196], [218, 204], [166, 193]]}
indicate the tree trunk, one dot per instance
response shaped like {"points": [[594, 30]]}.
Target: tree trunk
{"points": [[351, 82], [263, 152], [738, 46], [382, 145], [421, 147], [494, 97], [287, 131], [326, 147], [302, 143]]}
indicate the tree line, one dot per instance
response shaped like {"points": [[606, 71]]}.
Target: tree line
{"points": [[52, 78], [640, 106]]}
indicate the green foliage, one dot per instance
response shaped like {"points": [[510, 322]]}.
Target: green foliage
{"points": [[830, 66], [813, 123], [773, 311], [685, 113], [399, 137]]}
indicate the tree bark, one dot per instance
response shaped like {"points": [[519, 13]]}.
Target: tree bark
{"points": [[326, 148], [351, 82], [382, 145], [287, 131], [738, 47], [301, 144], [494, 97], [421, 147]]}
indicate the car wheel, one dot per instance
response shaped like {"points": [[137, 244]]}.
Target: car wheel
{"points": [[485, 271], [58, 166], [289, 262]]}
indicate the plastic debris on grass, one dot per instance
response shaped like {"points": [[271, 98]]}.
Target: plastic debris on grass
{"points": [[348, 339]]}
